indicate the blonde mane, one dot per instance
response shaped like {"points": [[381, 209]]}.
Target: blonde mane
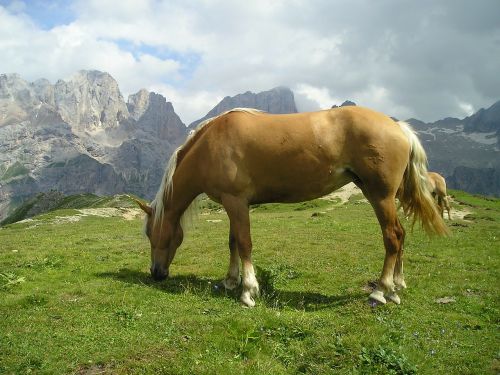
{"points": [[167, 182]]}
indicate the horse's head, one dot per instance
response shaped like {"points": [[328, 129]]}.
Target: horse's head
{"points": [[164, 237]]}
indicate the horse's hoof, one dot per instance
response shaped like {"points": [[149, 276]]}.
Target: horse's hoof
{"points": [[394, 298], [247, 301], [231, 284], [400, 284], [378, 296]]}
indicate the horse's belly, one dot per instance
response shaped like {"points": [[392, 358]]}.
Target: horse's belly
{"points": [[286, 188]]}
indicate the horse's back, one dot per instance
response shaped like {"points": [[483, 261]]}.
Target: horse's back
{"points": [[294, 157]]}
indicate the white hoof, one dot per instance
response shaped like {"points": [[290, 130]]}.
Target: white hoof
{"points": [[230, 283], [400, 284], [378, 296], [394, 298], [247, 300]]}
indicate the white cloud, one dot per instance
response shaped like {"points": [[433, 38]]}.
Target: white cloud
{"points": [[310, 98], [467, 108], [408, 59]]}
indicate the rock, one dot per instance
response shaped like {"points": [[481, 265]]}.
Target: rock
{"points": [[445, 300]]}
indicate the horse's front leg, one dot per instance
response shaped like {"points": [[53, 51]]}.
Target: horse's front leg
{"points": [[239, 217], [233, 278]]}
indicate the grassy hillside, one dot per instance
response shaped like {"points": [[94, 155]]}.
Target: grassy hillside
{"points": [[76, 296], [53, 200]]}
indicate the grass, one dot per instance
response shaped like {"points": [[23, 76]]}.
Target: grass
{"points": [[15, 170], [77, 298]]}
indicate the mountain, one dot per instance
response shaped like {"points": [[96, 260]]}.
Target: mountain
{"points": [[79, 135], [277, 100]]}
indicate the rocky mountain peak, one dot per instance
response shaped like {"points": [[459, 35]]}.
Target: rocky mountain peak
{"points": [[90, 101], [277, 100], [484, 120], [155, 115], [16, 99], [138, 103]]}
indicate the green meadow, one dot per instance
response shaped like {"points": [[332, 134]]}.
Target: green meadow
{"points": [[76, 296]]}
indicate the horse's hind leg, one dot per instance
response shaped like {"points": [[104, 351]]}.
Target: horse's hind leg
{"points": [[399, 279], [239, 217], [233, 278], [447, 205], [393, 235], [441, 205]]}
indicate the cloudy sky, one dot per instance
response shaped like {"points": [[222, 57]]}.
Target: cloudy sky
{"points": [[426, 59]]}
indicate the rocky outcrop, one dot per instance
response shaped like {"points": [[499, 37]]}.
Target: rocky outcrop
{"points": [[277, 100], [346, 103]]}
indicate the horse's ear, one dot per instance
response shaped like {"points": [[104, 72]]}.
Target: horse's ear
{"points": [[144, 207]]}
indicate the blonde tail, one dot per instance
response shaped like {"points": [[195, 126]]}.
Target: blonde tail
{"points": [[414, 195]]}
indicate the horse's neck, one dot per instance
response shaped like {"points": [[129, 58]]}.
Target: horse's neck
{"points": [[182, 194]]}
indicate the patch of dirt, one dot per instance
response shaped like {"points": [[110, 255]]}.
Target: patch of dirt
{"points": [[344, 193], [93, 370], [458, 214], [125, 213]]}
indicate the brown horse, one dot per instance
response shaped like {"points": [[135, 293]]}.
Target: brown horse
{"points": [[245, 156], [437, 187]]}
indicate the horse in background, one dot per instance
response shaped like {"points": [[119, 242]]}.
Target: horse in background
{"points": [[437, 187], [245, 157]]}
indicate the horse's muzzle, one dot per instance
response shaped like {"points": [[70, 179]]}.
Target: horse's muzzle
{"points": [[158, 274]]}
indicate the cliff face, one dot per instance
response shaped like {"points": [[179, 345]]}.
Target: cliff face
{"points": [[485, 181], [77, 136]]}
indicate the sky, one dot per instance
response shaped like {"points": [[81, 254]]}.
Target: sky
{"points": [[425, 59]]}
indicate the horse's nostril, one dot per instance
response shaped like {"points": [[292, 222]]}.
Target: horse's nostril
{"points": [[159, 277]]}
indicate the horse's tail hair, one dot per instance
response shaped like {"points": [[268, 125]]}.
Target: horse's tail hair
{"points": [[414, 195]]}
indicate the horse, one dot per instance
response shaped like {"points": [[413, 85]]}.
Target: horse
{"points": [[437, 187], [245, 156]]}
